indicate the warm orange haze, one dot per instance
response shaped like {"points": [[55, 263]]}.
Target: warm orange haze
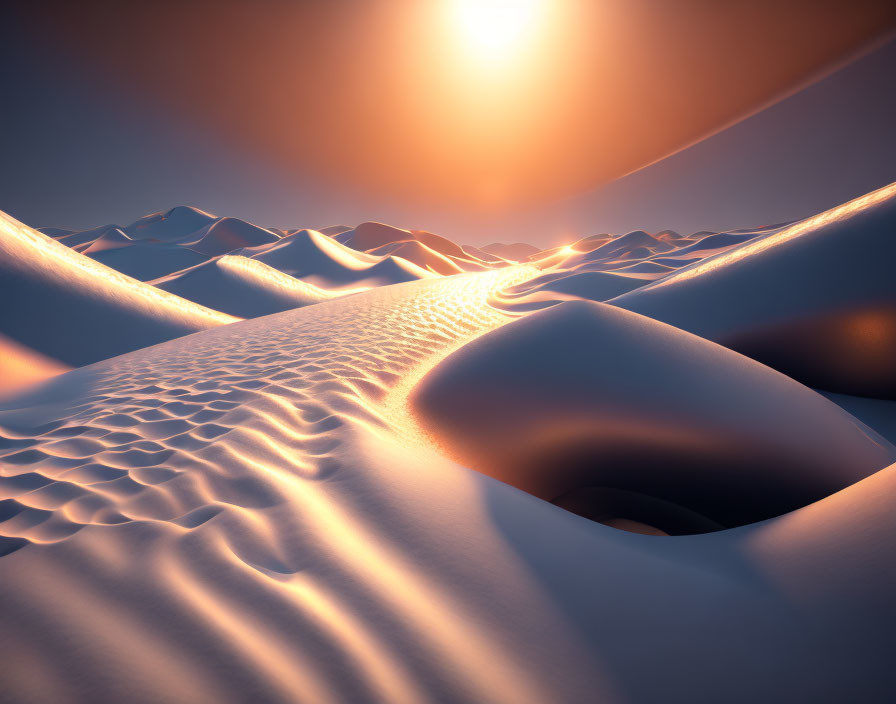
{"points": [[466, 110], [498, 31], [510, 351]]}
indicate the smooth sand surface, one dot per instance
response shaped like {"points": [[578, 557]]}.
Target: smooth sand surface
{"points": [[21, 367], [244, 287], [815, 299], [585, 394]]}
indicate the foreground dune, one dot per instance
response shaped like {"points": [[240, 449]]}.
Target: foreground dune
{"points": [[585, 396], [252, 514], [516, 485]]}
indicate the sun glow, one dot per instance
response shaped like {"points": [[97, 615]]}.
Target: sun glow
{"points": [[495, 28]]}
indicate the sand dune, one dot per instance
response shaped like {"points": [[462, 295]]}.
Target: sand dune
{"points": [[419, 254], [712, 244], [637, 244], [54, 232], [814, 300], [371, 235], [516, 252], [250, 513], [228, 234], [73, 309], [391, 270], [481, 254], [163, 244], [429, 251], [590, 285], [631, 254], [21, 367], [648, 271], [334, 229], [327, 263], [292, 251], [459, 488], [84, 238], [586, 397], [592, 242], [877, 413], [113, 238], [243, 287], [171, 225], [145, 261]]}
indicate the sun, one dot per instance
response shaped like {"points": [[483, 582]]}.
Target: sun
{"points": [[493, 29]]}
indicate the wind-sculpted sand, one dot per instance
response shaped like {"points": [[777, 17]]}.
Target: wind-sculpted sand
{"points": [[253, 513], [505, 486]]}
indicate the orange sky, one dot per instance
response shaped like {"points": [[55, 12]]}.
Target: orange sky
{"points": [[413, 102], [397, 98]]}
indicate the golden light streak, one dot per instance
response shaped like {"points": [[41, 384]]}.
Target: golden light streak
{"points": [[262, 271], [57, 257], [797, 230]]}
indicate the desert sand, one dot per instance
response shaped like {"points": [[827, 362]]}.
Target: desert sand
{"points": [[368, 464]]}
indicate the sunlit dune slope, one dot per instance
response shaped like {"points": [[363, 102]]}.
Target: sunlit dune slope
{"points": [[249, 514], [73, 309], [113, 238], [372, 254], [481, 254], [243, 287], [815, 300], [326, 262], [81, 239], [21, 367]]}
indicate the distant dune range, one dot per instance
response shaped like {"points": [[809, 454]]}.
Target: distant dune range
{"points": [[369, 464]]}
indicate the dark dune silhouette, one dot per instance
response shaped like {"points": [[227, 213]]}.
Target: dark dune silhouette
{"points": [[587, 395], [814, 300]]}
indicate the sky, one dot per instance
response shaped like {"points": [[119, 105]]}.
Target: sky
{"points": [[516, 124]]}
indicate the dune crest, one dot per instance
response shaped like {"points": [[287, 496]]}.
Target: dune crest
{"points": [[245, 287], [825, 310], [71, 308]]}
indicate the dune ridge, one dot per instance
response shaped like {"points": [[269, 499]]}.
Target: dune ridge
{"points": [[73, 309], [244, 287], [825, 313]]}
